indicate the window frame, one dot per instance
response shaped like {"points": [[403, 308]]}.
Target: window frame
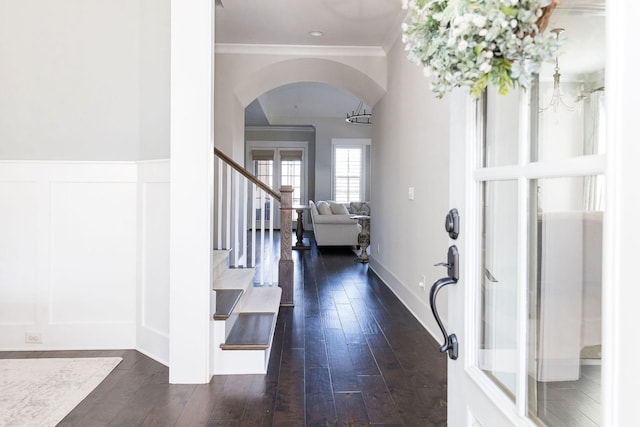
{"points": [[359, 143]]}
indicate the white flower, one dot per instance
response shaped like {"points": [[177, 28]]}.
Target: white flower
{"points": [[479, 20], [485, 67], [463, 45]]}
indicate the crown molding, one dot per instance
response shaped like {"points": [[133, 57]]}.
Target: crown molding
{"points": [[280, 128], [298, 50], [394, 33]]}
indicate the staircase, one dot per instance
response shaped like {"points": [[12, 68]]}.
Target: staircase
{"points": [[243, 319]]}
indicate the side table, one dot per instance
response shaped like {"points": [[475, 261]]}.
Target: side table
{"points": [[300, 246], [364, 236]]}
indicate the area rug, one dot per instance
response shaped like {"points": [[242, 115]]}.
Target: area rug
{"points": [[41, 392]]}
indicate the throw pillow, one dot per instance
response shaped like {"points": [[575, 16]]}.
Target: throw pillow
{"points": [[360, 208], [338, 209], [314, 209], [323, 208]]}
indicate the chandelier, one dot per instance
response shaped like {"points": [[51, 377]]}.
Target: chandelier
{"points": [[557, 100], [359, 116]]}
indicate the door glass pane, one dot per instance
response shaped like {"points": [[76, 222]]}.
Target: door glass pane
{"points": [[565, 289], [498, 311], [501, 128], [570, 113], [263, 170], [291, 175]]}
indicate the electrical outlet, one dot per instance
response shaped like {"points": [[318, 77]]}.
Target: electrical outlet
{"points": [[33, 338], [422, 284], [412, 193]]}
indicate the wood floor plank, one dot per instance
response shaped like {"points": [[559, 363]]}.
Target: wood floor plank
{"points": [[350, 409], [290, 399], [380, 406]]}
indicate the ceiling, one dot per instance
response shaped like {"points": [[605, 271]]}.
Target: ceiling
{"points": [[367, 23], [288, 22]]}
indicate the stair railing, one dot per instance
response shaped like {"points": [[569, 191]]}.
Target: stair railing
{"points": [[242, 202]]}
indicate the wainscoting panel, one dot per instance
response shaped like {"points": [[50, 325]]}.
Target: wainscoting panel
{"points": [[153, 276], [93, 252], [18, 253], [68, 265]]}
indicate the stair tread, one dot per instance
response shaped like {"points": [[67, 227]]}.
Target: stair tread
{"points": [[262, 300], [252, 331], [226, 300], [235, 278]]}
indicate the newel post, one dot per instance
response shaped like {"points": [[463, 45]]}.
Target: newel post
{"points": [[285, 266]]}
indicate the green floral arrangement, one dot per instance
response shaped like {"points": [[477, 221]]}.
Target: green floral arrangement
{"points": [[471, 43]]}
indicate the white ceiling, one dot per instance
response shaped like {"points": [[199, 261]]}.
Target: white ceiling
{"points": [[371, 23], [288, 22]]}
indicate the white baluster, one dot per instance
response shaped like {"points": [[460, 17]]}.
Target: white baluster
{"points": [[245, 210], [219, 204], [228, 218]]}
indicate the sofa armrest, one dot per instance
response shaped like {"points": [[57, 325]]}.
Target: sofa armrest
{"points": [[333, 219]]}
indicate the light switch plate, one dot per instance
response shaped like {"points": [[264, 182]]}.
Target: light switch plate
{"points": [[411, 193]]}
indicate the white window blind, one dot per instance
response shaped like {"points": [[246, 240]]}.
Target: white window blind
{"points": [[347, 180]]}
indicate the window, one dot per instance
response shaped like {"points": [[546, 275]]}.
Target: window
{"points": [[349, 171], [291, 173]]}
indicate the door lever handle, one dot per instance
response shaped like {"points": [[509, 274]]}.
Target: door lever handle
{"points": [[451, 341], [451, 263]]}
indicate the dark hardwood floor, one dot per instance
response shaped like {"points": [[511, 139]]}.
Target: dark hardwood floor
{"points": [[348, 354]]}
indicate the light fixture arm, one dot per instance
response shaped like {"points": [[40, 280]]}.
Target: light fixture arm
{"points": [[557, 96], [359, 116]]}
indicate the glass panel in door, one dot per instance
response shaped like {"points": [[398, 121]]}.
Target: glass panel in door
{"points": [[291, 174], [501, 146], [498, 298], [565, 334], [570, 93], [263, 170]]}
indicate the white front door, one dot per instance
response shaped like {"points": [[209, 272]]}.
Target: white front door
{"points": [[527, 179]]}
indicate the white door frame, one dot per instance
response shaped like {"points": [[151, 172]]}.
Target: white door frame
{"points": [[621, 295]]}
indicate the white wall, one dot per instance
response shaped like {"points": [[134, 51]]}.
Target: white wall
{"points": [[68, 254], [410, 148], [69, 79], [155, 54]]}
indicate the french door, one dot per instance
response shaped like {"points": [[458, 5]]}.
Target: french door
{"points": [[529, 184], [277, 166]]}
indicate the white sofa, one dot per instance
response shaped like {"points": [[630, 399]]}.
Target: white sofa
{"points": [[332, 224]]}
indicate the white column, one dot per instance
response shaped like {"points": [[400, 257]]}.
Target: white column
{"points": [[191, 189]]}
